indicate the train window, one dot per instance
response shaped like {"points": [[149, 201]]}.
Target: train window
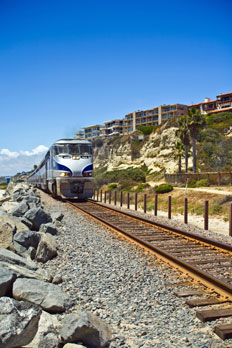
{"points": [[72, 149], [86, 150]]}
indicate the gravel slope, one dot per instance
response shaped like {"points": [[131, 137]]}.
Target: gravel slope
{"points": [[125, 286]]}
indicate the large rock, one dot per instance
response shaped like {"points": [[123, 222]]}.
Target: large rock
{"points": [[73, 345], [86, 328], [47, 335], [13, 221], [48, 296], [8, 207], [4, 196], [6, 235], [21, 209], [49, 228], [47, 248], [6, 280], [38, 217], [9, 257], [18, 322], [27, 238], [23, 272]]}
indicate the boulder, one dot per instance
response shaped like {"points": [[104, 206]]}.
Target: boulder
{"points": [[47, 335], [47, 248], [49, 228], [86, 328], [23, 272], [6, 280], [6, 235], [8, 207], [27, 238], [4, 196], [18, 322], [48, 296], [38, 217], [73, 345], [14, 221], [13, 188], [27, 222], [57, 216], [21, 209], [9, 257]]}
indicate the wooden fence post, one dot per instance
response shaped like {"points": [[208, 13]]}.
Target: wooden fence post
{"points": [[186, 210], [105, 197], [206, 216], [109, 197], [115, 197], [136, 201], [230, 220], [101, 196], [156, 205], [128, 200], [169, 207], [145, 203], [121, 199]]}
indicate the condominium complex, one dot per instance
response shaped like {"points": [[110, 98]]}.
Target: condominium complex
{"points": [[92, 132], [222, 103], [154, 117], [114, 127]]}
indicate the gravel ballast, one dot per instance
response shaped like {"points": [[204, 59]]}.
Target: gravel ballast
{"points": [[125, 286]]}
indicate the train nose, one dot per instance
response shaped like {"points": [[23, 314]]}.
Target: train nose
{"points": [[77, 188]]}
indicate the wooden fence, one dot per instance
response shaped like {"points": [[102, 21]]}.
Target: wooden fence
{"points": [[126, 199], [214, 178]]}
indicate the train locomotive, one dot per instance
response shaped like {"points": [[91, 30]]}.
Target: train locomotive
{"points": [[67, 170]]}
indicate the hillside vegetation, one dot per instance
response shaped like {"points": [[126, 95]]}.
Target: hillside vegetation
{"points": [[123, 159]]}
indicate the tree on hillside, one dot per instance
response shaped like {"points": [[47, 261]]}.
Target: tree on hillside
{"points": [[178, 154], [195, 123], [184, 135]]}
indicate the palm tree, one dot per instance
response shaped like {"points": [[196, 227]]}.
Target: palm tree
{"points": [[195, 123], [184, 134], [178, 154]]}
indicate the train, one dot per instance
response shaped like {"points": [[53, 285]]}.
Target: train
{"points": [[66, 170]]}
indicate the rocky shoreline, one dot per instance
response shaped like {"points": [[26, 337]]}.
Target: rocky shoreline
{"points": [[31, 299], [121, 291]]}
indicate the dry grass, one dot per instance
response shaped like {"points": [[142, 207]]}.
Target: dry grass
{"points": [[196, 202]]}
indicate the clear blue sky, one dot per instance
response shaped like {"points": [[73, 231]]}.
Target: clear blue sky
{"points": [[70, 64]]}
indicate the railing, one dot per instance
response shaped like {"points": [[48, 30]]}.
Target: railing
{"points": [[127, 200], [214, 178]]}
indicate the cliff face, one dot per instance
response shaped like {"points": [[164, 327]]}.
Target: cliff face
{"points": [[156, 152]]}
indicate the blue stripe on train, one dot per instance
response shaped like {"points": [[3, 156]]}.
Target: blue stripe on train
{"points": [[62, 167], [87, 169]]}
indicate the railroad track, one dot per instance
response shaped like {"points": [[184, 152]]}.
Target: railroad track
{"points": [[205, 260]]}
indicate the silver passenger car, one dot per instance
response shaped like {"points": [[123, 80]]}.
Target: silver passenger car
{"points": [[67, 170]]}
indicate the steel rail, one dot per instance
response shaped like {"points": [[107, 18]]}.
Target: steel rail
{"points": [[209, 241], [217, 285]]}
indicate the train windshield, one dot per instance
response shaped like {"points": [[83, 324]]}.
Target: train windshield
{"points": [[73, 149]]}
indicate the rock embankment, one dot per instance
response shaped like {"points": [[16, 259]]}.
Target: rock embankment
{"points": [[31, 299]]}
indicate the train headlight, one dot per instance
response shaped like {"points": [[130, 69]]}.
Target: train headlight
{"points": [[65, 174], [74, 157]]}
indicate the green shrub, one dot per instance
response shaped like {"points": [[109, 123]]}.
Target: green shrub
{"points": [[112, 186], [146, 130], [141, 187], [202, 183], [163, 188], [216, 208], [192, 183]]}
